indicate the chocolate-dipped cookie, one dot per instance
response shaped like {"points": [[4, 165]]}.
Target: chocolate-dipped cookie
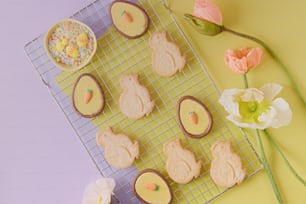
{"points": [[87, 96], [151, 187], [131, 20], [193, 116]]}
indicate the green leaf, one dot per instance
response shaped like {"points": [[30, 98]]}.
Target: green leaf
{"points": [[202, 26]]}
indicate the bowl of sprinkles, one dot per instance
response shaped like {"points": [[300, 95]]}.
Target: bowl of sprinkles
{"points": [[70, 44]]}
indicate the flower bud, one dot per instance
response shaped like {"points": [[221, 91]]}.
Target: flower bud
{"points": [[203, 26]]}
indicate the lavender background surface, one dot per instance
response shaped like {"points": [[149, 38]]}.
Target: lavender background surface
{"points": [[41, 159]]}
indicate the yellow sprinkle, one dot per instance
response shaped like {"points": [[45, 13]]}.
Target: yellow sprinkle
{"points": [[82, 40], [59, 46], [65, 42], [72, 51], [100, 200]]}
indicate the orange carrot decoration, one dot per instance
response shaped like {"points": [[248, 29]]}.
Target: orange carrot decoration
{"points": [[127, 16], [88, 95], [193, 117], [151, 186]]}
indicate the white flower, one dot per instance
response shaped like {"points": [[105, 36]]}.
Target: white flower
{"points": [[99, 192], [256, 108]]}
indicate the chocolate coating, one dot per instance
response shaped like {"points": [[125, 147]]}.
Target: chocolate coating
{"points": [[137, 6], [154, 172], [100, 90]]}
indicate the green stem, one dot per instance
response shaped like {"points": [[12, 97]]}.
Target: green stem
{"points": [[167, 6], [267, 168], [273, 55], [245, 80], [271, 140]]}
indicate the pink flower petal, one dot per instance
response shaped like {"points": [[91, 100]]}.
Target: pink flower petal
{"points": [[239, 66], [236, 64], [242, 52], [229, 54], [207, 10], [254, 57], [242, 60]]}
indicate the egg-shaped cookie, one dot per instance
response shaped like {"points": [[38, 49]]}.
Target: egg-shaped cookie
{"points": [[151, 187], [87, 96], [193, 116], [129, 19]]}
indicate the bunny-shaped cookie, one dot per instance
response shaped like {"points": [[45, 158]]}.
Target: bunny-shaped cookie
{"points": [[226, 168], [135, 99], [166, 56], [119, 150], [181, 164]]}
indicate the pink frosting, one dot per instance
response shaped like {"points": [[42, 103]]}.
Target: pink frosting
{"points": [[242, 60], [207, 10]]}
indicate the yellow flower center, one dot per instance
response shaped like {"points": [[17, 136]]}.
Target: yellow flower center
{"points": [[250, 111], [100, 200]]}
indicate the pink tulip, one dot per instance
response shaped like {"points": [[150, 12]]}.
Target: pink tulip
{"points": [[242, 60], [207, 10]]}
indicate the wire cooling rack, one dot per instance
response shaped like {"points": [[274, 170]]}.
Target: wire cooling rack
{"points": [[117, 55]]}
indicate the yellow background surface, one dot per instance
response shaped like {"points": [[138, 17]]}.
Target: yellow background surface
{"points": [[281, 24]]}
